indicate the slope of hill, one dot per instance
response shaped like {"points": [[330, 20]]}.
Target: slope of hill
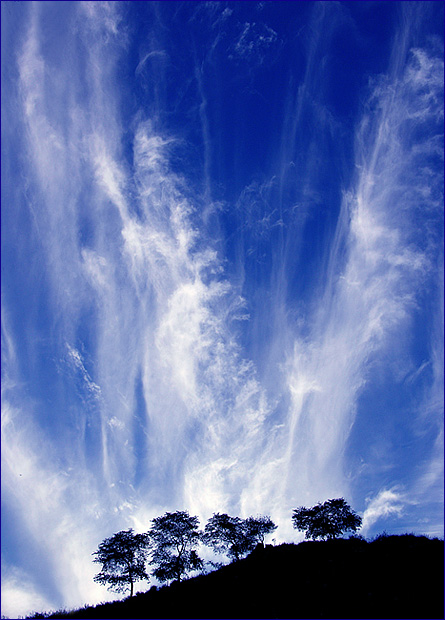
{"points": [[391, 577]]}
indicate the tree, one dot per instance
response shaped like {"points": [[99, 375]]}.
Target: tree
{"points": [[257, 528], [123, 558], [174, 538], [235, 536], [328, 520], [225, 534]]}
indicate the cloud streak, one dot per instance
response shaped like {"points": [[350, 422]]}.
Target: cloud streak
{"points": [[387, 502], [379, 263]]}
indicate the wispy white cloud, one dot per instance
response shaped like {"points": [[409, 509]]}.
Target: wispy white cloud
{"points": [[159, 54], [162, 307], [255, 42], [56, 509], [19, 597], [75, 359], [379, 265], [388, 502], [104, 16], [59, 506]]}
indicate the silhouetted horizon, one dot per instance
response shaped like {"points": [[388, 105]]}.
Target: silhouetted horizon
{"points": [[389, 577]]}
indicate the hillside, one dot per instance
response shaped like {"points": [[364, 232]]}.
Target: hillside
{"points": [[391, 577]]}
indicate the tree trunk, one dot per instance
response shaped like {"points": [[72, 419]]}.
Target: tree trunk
{"points": [[131, 587]]}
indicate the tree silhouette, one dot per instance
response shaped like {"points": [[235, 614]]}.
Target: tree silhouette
{"points": [[174, 538], [235, 536], [257, 528], [328, 520], [225, 534], [123, 559]]}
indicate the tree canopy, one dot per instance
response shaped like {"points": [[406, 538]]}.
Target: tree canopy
{"points": [[174, 538], [235, 536], [326, 520], [123, 558], [257, 528]]}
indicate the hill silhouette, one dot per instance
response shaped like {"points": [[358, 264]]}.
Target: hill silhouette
{"points": [[390, 577]]}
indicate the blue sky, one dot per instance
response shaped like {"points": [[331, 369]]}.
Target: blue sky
{"points": [[222, 272]]}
